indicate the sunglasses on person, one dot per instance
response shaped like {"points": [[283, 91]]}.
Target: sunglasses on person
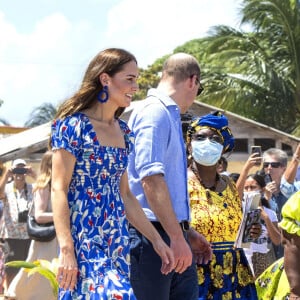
{"points": [[201, 88], [272, 164]]}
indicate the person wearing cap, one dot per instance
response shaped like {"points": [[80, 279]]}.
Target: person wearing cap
{"points": [[16, 195], [216, 210]]}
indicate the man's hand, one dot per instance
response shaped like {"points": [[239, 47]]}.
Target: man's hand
{"points": [[166, 255], [201, 248], [182, 254]]}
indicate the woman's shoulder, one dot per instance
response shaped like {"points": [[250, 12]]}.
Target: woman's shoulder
{"points": [[72, 120]]}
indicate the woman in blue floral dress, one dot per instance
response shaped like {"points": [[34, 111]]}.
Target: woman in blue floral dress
{"points": [[90, 194]]}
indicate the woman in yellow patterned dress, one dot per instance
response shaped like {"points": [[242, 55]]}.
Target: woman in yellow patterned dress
{"points": [[217, 211]]}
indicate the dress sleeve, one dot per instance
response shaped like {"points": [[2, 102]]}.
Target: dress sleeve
{"points": [[67, 134], [291, 215]]}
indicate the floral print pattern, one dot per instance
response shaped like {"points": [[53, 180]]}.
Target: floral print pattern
{"points": [[98, 223], [227, 275], [15, 202]]}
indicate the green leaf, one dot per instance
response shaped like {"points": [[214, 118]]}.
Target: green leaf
{"points": [[21, 264]]}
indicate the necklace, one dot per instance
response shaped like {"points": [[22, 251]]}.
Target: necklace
{"points": [[207, 189], [213, 187]]}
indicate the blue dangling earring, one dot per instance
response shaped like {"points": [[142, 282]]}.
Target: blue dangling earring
{"points": [[103, 95]]}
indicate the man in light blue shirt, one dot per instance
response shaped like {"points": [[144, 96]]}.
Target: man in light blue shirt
{"points": [[158, 178], [158, 127]]}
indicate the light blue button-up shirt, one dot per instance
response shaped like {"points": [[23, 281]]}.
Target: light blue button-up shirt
{"points": [[159, 149], [288, 189]]}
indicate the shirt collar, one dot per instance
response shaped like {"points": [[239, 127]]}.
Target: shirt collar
{"points": [[165, 99]]}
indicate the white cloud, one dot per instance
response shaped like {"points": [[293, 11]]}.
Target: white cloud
{"points": [[35, 67], [157, 27], [45, 61]]}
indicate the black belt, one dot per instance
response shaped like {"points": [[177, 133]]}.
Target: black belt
{"points": [[185, 225]]}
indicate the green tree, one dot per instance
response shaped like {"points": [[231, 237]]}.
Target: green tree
{"points": [[253, 72], [41, 114], [257, 73]]}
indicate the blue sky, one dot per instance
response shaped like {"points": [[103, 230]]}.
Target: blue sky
{"points": [[45, 45]]}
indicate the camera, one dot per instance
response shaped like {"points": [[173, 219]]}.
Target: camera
{"points": [[22, 216], [19, 171]]}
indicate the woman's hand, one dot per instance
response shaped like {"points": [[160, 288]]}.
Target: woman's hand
{"points": [[252, 160], [67, 270], [263, 213], [201, 248]]}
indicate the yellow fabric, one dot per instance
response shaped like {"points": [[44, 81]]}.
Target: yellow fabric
{"points": [[217, 219], [273, 283], [291, 215]]}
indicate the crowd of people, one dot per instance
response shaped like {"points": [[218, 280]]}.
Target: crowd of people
{"points": [[16, 244], [145, 210]]}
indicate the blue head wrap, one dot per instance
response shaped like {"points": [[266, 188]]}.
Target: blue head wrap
{"points": [[215, 121]]}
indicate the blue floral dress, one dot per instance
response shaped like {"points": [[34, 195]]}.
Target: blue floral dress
{"points": [[98, 223]]}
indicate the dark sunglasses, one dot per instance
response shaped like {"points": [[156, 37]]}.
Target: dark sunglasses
{"points": [[201, 88], [273, 164]]}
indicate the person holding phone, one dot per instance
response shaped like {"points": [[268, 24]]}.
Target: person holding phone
{"points": [[16, 195], [260, 252], [275, 163]]}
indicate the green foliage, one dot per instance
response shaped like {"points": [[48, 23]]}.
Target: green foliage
{"points": [[254, 73], [43, 267]]}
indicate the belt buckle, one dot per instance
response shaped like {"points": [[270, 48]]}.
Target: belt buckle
{"points": [[185, 225]]}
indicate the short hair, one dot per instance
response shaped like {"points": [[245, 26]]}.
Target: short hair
{"points": [[279, 154], [180, 66]]}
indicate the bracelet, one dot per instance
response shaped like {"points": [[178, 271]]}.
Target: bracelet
{"points": [[296, 157]]}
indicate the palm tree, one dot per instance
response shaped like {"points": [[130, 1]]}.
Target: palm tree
{"points": [[255, 73], [41, 114]]}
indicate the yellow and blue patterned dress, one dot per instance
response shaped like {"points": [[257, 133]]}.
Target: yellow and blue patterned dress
{"points": [[217, 217], [98, 223]]}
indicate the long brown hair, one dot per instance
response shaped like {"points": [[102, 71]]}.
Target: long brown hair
{"points": [[110, 61], [44, 176]]}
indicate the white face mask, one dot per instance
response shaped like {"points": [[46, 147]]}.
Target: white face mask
{"points": [[206, 153], [251, 194]]}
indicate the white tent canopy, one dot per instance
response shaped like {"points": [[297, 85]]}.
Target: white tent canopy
{"points": [[25, 143]]}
